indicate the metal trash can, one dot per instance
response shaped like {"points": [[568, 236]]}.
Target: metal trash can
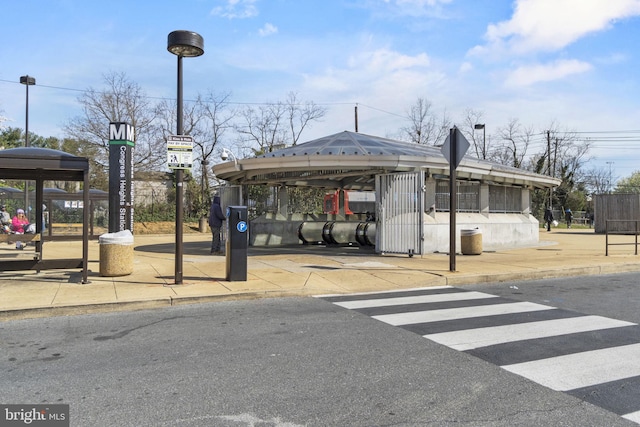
{"points": [[116, 253], [471, 242]]}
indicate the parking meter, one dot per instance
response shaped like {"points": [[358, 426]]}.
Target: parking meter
{"points": [[237, 243]]}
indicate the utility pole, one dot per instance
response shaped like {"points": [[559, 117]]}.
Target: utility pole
{"points": [[356, 117], [549, 167]]}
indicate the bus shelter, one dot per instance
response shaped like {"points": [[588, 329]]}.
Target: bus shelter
{"points": [[41, 165]]}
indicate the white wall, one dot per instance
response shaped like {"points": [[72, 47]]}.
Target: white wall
{"points": [[499, 231]]}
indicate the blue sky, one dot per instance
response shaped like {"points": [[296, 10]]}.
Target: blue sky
{"points": [[574, 62]]}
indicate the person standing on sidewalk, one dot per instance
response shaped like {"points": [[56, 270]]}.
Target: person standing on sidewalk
{"points": [[548, 218], [216, 217], [568, 215]]}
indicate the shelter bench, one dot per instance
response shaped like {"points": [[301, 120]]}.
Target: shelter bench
{"points": [[12, 238]]}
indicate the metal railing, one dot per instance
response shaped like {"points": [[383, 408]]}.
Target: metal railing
{"points": [[625, 232]]}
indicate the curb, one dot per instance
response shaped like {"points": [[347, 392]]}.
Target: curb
{"points": [[442, 280]]}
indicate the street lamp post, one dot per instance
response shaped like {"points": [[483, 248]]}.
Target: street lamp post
{"points": [[484, 136], [182, 44], [27, 81]]}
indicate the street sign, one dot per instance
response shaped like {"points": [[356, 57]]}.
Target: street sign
{"points": [[461, 148], [179, 152]]}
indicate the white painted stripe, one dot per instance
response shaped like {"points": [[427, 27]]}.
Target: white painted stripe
{"points": [[483, 337], [459, 313], [383, 292], [633, 416], [584, 369], [418, 299]]}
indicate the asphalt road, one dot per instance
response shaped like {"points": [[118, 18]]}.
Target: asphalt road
{"points": [[274, 362], [615, 295]]}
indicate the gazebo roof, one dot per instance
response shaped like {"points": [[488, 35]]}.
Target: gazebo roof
{"points": [[351, 160]]}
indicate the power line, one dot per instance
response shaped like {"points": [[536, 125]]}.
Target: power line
{"points": [[164, 98]]}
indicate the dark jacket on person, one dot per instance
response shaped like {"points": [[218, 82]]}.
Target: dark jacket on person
{"points": [[548, 215], [215, 213]]}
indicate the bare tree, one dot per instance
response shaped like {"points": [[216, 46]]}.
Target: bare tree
{"points": [[565, 152], [218, 120], [206, 120], [301, 114], [264, 127], [121, 101], [425, 127], [564, 155], [597, 180], [278, 124], [515, 139], [480, 143]]}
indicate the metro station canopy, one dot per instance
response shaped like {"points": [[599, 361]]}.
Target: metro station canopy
{"points": [[351, 161]]}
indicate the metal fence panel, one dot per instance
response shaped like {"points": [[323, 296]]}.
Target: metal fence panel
{"points": [[400, 206]]}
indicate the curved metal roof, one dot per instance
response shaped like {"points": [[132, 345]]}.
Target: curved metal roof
{"points": [[353, 144], [351, 160]]}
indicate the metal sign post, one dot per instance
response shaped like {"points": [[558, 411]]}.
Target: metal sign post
{"points": [[453, 149], [179, 158]]}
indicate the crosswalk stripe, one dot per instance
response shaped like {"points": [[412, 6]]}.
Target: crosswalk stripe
{"points": [[633, 416], [382, 294], [577, 370], [593, 358], [483, 337], [421, 299], [409, 318]]}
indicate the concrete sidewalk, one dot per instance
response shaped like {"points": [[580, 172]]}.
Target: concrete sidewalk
{"points": [[287, 271]]}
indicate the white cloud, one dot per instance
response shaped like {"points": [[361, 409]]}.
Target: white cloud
{"points": [[267, 30], [613, 59], [417, 3], [466, 67], [236, 9], [550, 25], [382, 78], [416, 7], [385, 60], [528, 75]]}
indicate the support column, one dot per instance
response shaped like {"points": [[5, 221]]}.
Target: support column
{"points": [[526, 201], [430, 196], [484, 199], [283, 201]]}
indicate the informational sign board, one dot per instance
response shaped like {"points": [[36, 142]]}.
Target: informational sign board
{"points": [[179, 152], [121, 144]]}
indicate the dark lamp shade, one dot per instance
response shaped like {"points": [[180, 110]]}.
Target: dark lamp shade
{"points": [[27, 80], [185, 43]]}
